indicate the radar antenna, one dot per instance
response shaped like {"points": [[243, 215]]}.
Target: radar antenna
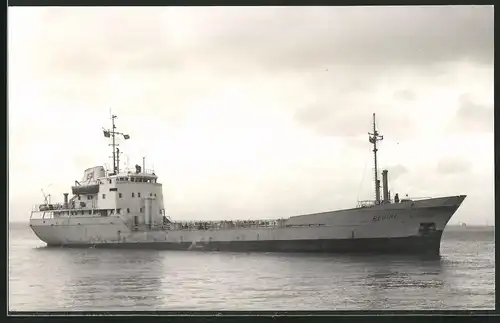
{"points": [[112, 133], [373, 138]]}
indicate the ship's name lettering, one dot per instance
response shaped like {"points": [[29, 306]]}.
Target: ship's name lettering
{"points": [[384, 217]]}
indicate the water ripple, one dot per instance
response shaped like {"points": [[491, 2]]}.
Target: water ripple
{"points": [[94, 279]]}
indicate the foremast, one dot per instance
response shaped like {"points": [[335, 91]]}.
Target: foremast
{"points": [[116, 152], [374, 138]]}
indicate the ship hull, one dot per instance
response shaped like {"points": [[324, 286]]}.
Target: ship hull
{"points": [[426, 245], [404, 228]]}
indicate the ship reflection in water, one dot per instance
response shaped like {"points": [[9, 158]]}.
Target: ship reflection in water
{"points": [[61, 279], [130, 279]]}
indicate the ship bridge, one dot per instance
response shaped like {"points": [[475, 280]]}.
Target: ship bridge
{"points": [[132, 194], [137, 175]]}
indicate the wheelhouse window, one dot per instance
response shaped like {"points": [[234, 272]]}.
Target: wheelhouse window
{"points": [[89, 197], [128, 210], [133, 194], [104, 196], [120, 195], [138, 194]]}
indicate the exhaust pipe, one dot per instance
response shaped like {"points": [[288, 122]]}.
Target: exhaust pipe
{"points": [[385, 187], [65, 200]]}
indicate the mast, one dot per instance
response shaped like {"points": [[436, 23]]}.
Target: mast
{"points": [[373, 138], [113, 117], [112, 133], [117, 160]]}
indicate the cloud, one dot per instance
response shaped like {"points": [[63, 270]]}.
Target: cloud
{"points": [[348, 117], [266, 38], [472, 117], [133, 57], [454, 165], [271, 103], [405, 95], [283, 38], [114, 37], [396, 171]]}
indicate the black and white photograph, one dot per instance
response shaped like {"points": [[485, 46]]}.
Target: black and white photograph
{"points": [[250, 158]]}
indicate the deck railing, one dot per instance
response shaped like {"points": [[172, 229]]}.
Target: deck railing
{"points": [[220, 225], [58, 210], [133, 171], [371, 203], [61, 207], [366, 203]]}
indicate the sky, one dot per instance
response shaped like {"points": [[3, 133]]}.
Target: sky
{"points": [[255, 112]]}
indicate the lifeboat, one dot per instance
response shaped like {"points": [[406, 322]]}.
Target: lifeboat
{"points": [[46, 207], [85, 189]]}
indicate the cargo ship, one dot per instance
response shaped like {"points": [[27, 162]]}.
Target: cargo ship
{"points": [[124, 208]]}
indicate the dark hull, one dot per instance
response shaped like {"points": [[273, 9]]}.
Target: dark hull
{"points": [[428, 244]]}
